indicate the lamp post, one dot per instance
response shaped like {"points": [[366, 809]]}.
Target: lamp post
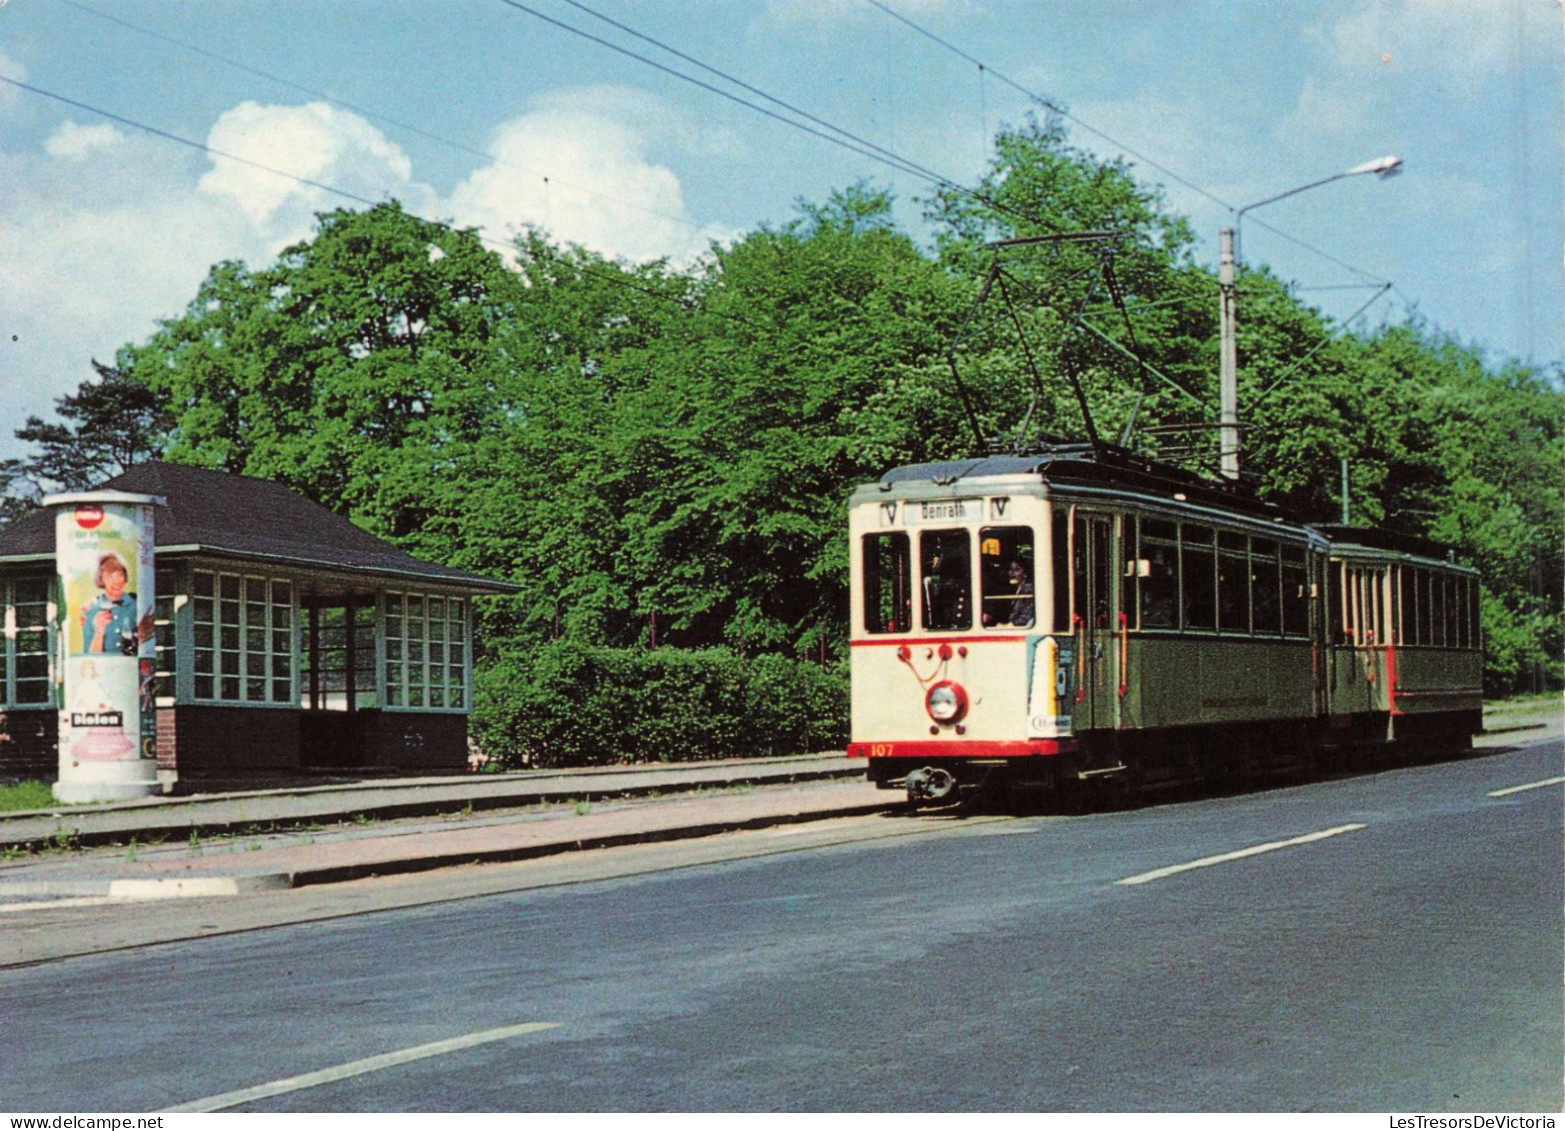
{"points": [[1228, 360]]}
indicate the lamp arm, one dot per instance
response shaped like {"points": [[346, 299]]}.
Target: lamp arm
{"points": [[1291, 192]]}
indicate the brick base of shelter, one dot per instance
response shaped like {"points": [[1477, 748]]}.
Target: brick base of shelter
{"points": [[234, 744], [29, 745]]}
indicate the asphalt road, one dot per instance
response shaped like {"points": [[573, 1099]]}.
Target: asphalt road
{"points": [[1402, 953]]}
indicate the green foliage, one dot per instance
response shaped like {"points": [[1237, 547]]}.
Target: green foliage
{"points": [[572, 704], [103, 428]]}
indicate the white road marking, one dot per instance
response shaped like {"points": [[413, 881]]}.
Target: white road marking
{"points": [[1207, 862], [1529, 785], [356, 1068]]}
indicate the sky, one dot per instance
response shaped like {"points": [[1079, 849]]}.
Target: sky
{"points": [[142, 141]]}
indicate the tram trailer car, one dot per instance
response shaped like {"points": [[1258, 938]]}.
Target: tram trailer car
{"points": [[1081, 616]]}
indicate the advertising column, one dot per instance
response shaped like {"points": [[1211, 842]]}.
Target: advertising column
{"points": [[108, 720]]}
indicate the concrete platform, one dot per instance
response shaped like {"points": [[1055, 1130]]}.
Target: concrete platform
{"points": [[165, 848]]}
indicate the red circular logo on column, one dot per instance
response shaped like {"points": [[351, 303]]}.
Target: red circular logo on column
{"points": [[89, 517]]}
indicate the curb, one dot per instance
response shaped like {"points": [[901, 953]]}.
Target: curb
{"points": [[394, 810], [207, 886], [341, 873]]}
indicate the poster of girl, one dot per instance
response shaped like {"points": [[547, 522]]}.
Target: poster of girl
{"points": [[108, 621]]}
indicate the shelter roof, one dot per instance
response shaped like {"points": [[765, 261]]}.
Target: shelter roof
{"points": [[239, 516]]}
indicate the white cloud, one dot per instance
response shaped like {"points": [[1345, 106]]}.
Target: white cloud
{"points": [[97, 241], [578, 165], [71, 141], [103, 232], [314, 142]]}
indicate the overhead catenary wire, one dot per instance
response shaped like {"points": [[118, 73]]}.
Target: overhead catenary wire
{"points": [[374, 115], [836, 135], [333, 190], [1056, 108]]}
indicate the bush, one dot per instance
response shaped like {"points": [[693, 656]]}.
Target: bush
{"points": [[570, 704]]}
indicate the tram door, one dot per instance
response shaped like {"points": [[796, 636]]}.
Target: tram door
{"points": [[1092, 587]]}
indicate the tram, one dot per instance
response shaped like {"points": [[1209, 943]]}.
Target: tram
{"points": [[1081, 617]]}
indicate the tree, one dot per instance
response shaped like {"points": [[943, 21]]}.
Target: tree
{"points": [[107, 425], [355, 370]]}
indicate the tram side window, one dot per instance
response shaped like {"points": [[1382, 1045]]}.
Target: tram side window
{"points": [[1410, 606], [1006, 576], [1160, 582], [1127, 572], [947, 572], [1454, 607], [1233, 583], [1426, 631], [1264, 584], [1475, 633], [888, 583], [1059, 559], [1198, 576], [1295, 593], [1336, 613]]}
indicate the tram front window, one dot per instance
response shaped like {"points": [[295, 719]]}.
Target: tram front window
{"points": [[945, 566], [888, 589], [1005, 570]]}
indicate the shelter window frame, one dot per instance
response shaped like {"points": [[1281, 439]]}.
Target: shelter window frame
{"points": [[427, 658], [242, 639], [26, 671]]}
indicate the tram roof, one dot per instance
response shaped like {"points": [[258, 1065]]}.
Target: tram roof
{"points": [[1373, 538], [1103, 466]]}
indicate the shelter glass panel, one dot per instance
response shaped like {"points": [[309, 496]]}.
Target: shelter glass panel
{"points": [[426, 652], [242, 638], [24, 665]]}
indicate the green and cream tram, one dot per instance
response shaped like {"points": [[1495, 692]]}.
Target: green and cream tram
{"points": [[1079, 615]]}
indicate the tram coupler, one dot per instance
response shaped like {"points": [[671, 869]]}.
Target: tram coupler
{"points": [[930, 783]]}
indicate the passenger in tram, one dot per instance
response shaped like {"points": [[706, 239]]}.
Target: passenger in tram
{"points": [[1022, 611]]}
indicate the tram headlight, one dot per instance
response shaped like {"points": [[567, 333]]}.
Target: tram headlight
{"points": [[946, 702]]}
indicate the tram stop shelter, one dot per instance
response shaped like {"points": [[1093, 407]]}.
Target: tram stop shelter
{"points": [[289, 641]]}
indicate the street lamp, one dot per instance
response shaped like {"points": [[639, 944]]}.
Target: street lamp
{"points": [[1228, 362]]}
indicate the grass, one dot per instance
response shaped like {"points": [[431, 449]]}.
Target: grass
{"points": [[27, 795], [1528, 704]]}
